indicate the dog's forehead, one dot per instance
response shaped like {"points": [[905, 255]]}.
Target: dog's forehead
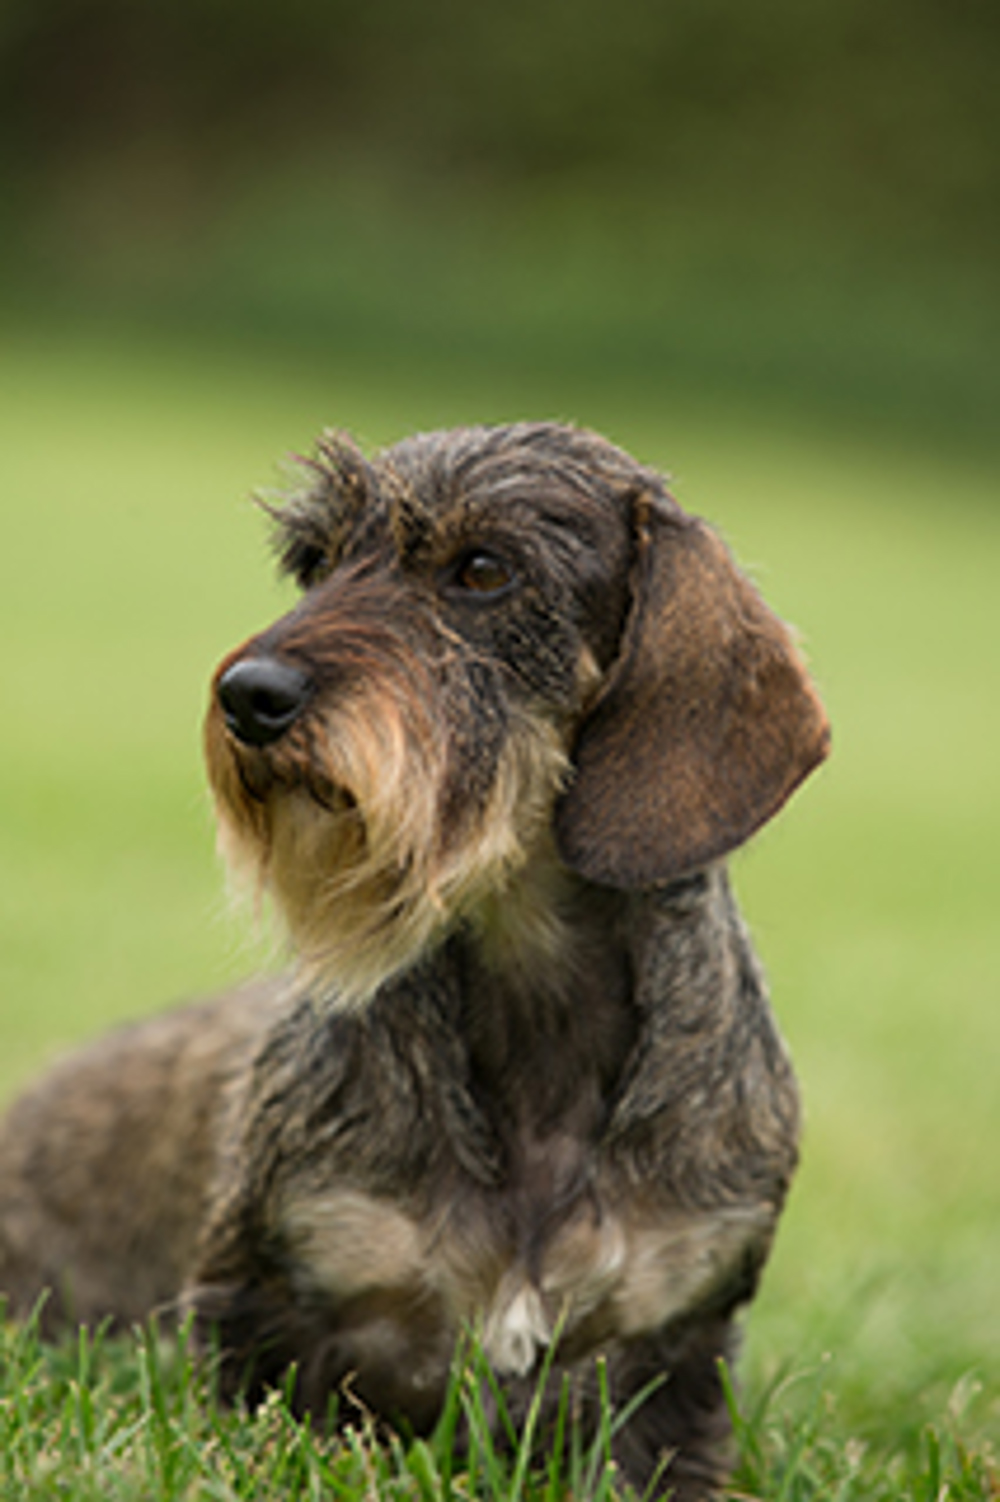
{"points": [[514, 470], [553, 489]]}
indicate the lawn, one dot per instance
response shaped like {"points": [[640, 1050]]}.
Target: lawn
{"points": [[132, 562]]}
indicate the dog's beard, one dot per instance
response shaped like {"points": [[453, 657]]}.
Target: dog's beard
{"points": [[342, 824]]}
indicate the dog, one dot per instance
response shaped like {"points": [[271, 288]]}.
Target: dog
{"points": [[524, 1077]]}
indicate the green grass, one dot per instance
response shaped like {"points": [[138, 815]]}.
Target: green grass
{"points": [[131, 564], [110, 1421]]}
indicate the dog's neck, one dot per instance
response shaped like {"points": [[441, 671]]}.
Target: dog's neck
{"points": [[522, 1012], [550, 994], [527, 933]]}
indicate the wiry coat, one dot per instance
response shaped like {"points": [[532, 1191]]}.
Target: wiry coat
{"points": [[527, 1077]]}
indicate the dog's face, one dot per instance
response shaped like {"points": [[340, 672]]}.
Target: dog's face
{"points": [[516, 662]]}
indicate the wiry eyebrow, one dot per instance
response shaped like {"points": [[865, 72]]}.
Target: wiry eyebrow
{"points": [[313, 517]]}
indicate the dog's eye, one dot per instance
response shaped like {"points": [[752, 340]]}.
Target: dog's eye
{"points": [[482, 573]]}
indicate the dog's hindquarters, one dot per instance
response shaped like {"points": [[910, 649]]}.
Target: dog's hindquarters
{"points": [[105, 1163]]}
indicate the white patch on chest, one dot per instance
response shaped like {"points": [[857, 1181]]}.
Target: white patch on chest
{"points": [[517, 1328]]}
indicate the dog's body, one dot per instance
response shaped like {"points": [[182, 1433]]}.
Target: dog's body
{"points": [[527, 1077]]}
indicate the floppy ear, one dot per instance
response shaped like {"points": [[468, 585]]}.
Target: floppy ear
{"points": [[706, 724]]}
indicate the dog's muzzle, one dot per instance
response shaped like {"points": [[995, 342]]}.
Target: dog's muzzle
{"points": [[261, 698]]}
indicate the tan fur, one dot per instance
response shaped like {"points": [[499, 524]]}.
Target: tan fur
{"points": [[363, 882]]}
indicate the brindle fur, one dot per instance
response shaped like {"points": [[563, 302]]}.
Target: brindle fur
{"points": [[526, 1077]]}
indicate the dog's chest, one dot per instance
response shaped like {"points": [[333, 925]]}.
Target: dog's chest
{"points": [[522, 1263], [501, 1206]]}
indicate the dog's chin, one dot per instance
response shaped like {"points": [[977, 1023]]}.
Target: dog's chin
{"points": [[282, 841], [348, 909], [346, 843]]}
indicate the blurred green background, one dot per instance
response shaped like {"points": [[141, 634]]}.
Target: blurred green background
{"points": [[757, 245]]}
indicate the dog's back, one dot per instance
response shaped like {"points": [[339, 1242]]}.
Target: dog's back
{"points": [[105, 1163]]}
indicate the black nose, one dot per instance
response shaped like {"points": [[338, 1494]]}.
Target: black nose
{"points": [[261, 697]]}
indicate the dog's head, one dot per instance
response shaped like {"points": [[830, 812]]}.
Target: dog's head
{"points": [[515, 655]]}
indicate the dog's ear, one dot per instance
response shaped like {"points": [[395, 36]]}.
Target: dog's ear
{"points": [[707, 721]]}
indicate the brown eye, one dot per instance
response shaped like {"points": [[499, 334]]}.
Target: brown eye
{"points": [[483, 574]]}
